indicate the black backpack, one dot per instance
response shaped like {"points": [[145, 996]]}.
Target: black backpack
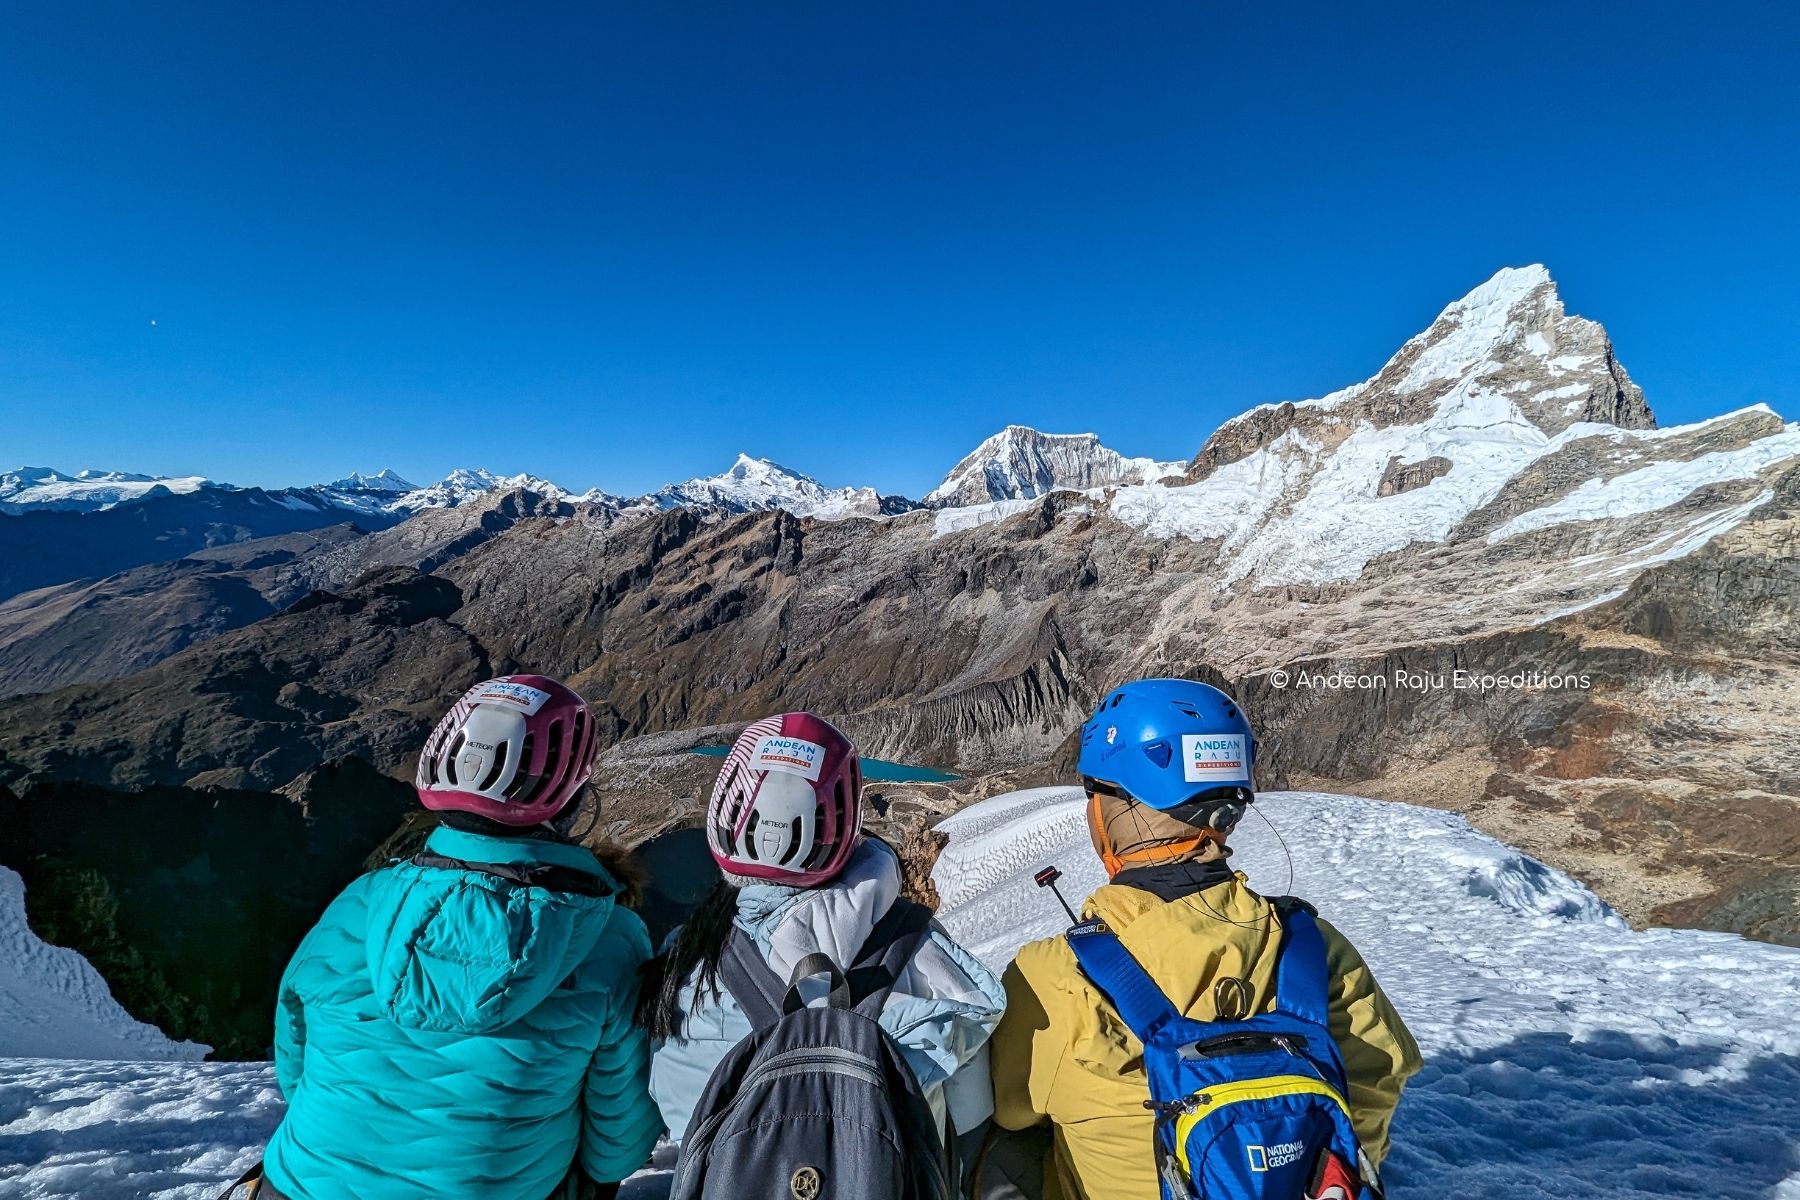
{"points": [[816, 1103]]}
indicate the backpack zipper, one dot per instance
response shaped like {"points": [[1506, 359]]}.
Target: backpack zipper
{"points": [[1244, 1043], [1189, 1111]]}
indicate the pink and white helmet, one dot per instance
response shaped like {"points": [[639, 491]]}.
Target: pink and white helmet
{"points": [[514, 749], [787, 806]]}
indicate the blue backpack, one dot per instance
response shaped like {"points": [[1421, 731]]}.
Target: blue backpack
{"points": [[1250, 1109]]}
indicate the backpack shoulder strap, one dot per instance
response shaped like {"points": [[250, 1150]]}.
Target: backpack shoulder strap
{"points": [[1302, 979], [1121, 978], [751, 981], [885, 953], [539, 875]]}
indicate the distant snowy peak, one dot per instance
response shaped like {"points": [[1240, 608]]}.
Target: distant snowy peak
{"points": [[382, 481], [761, 485], [1019, 463], [45, 489], [387, 493], [462, 486], [750, 485]]}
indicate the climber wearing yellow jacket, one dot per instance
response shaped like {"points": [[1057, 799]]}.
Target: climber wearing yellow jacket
{"points": [[1167, 765]]}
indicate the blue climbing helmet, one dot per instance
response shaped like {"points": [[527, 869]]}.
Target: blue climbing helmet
{"points": [[1172, 744]]}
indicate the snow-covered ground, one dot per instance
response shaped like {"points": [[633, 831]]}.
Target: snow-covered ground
{"points": [[1567, 1056], [53, 1002], [94, 1130]]}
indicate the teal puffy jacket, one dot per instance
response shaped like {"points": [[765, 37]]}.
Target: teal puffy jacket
{"points": [[445, 1032]]}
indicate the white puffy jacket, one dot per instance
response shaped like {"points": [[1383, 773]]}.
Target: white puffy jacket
{"points": [[942, 1009]]}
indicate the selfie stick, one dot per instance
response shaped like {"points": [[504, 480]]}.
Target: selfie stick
{"points": [[1047, 878]]}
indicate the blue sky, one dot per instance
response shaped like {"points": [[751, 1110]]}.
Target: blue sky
{"points": [[615, 244]]}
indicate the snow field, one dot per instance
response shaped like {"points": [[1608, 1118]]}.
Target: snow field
{"points": [[143, 1130]]}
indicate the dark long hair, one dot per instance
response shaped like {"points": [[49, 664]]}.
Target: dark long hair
{"points": [[699, 943]]}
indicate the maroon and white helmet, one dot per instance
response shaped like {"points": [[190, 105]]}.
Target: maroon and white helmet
{"points": [[514, 749], [787, 806]]}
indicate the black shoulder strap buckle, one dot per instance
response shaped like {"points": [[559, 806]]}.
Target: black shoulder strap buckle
{"points": [[1288, 904]]}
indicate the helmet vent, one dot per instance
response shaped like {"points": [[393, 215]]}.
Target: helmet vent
{"points": [[554, 755], [493, 775], [449, 759], [793, 846], [822, 849], [524, 779]]}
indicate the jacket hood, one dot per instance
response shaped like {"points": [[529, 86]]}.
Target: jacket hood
{"points": [[835, 918], [465, 951]]}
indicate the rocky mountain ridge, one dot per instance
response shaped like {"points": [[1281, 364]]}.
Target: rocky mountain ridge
{"points": [[1038, 463], [1495, 501]]}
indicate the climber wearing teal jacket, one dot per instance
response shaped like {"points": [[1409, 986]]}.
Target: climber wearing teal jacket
{"points": [[460, 1024]]}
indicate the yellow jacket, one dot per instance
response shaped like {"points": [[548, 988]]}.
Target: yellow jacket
{"points": [[1061, 1054]]}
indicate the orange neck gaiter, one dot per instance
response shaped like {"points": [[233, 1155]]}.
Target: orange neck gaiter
{"points": [[1129, 834]]}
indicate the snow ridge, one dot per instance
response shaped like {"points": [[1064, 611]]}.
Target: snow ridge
{"points": [[53, 1002]]}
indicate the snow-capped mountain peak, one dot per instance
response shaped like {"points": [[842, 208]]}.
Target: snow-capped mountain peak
{"points": [[1505, 406], [1512, 338], [383, 480], [1020, 463], [45, 489], [764, 470], [760, 484]]}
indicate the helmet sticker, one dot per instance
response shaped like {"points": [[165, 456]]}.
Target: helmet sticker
{"points": [[1214, 758], [515, 695], [796, 756]]}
